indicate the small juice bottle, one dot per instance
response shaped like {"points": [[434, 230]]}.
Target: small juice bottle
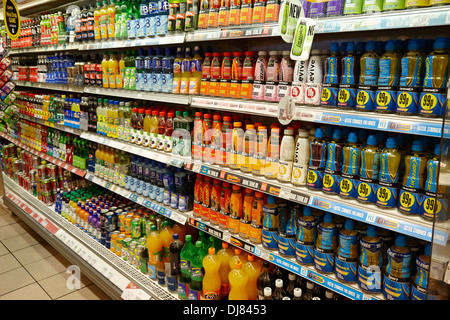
{"points": [[113, 69], [236, 145], [246, 220], [105, 70], [255, 232], [154, 129], [198, 199], [146, 127], [206, 198], [253, 270], [238, 282], [224, 256], [166, 234], [211, 280], [235, 209]]}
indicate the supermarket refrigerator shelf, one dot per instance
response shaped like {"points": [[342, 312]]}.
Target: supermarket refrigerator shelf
{"points": [[114, 275]]}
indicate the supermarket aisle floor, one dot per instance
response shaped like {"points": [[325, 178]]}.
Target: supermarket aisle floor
{"points": [[31, 269]]}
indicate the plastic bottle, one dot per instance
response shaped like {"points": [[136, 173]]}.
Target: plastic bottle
{"points": [[432, 98], [369, 65], [333, 163], [265, 280], [349, 77], [224, 255], [260, 76], [369, 170], [347, 254], [421, 283], [185, 71], [185, 268], [237, 136], [270, 224], [273, 153], [167, 71], [332, 75], [286, 156], [317, 160], [111, 12], [388, 77], [177, 75], [373, 6], [197, 272], [396, 285], [390, 159], [314, 79], [195, 71], [238, 281], [325, 245], [154, 246], [211, 280], [236, 203], [350, 167], [248, 75], [206, 198]]}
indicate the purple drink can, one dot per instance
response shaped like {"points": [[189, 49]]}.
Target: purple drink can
{"points": [[317, 10], [334, 8], [305, 5]]}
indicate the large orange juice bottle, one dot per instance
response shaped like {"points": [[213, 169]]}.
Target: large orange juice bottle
{"points": [[246, 220], [105, 77], [211, 280], [238, 282], [252, 268], [154, 247], [224, 256], [113, 69], [240, 256], [166, 234], [235, 209]]}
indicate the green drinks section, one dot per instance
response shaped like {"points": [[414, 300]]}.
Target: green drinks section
{"points": [[396, 171], [405, 77]]}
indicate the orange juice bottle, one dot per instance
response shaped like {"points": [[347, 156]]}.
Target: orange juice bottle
{"points": [[113, 69], [238, 282], [246, 220], [237, 136], [166, 235], [154, 246], [255, 233], [252, 269], [198, 199], [206, 198], [77, 214], [224, 256], [235, 209], [105, 77], [214, 208], [248, 148], [240, 256], [206, 134], [211, 284]]}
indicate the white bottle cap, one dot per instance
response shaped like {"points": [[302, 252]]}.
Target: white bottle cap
{"points": [[267, 291], [272, 53], [315, 52], [262, 53], [297, 292], [329, 294], [309, 285], [286, 53], [278, 283], [291, 276]]}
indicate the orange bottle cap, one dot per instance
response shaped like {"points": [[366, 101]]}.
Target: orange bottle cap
{"points": [[211, 250]]}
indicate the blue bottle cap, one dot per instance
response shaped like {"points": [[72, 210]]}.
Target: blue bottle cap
{"points": [[141, 51], [352, 137], [400, 139], [413, 45], [427, 249], [390, 45], [362, 134], [343, 47], [350, 46], [328, 218], [270, 199], [391, 143], [348, 224], [133, 157], [159, 51], [360, 46], [334, 48], [319, 133], [337, 134], [371, 231], [370, 45], [168, 51], [440, 43], [372, 140], [175, 236], [328, 131], [307, 211], [400, 241], [150, 51], [147, 161], [417, 146], [437, 149]]}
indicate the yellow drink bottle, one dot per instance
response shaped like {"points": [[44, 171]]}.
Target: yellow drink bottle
{"points": [[238, 282], [111, 12], [240, 256], [166, 234], [224, 256], [105, 78], [97, 32], [154, 120], [154, 247], [104, 20], [248, 147], [146, 128], [237, 142], [252, 269], [113, 69], [211, 284]]}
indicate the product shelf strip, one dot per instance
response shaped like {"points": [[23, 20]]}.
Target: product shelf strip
{"points": [[389, 219], [328, 281], [114, 270], [155, 206], [50, 86], [57, 126], [430, 127]]}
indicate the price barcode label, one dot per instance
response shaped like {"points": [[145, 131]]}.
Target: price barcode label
{"points": [[383, 124]]}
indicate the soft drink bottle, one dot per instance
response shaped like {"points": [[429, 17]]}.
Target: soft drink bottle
{"points": [[211, 280], [238, 281]]}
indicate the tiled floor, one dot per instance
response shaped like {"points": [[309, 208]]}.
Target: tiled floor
{"points": [[31, 269]]}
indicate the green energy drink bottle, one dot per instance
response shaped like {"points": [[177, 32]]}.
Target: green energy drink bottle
{"points": [[306, 237], [353, 7], [350, 167], [347, 254], [326, 244], [372, 6], [387, 190], [365, 96], [411, 76], [299, 38], [411, 192], [388, 76], [396, 284], [370, 262], [369, 171], [284, 22], [432, 98]]}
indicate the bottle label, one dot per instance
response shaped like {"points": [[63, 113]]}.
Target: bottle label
{"points": [[298, 92], [386, 195], [304, 253], [366, 191], [393, 290], [330, 183], [347, 186], [408, 100], [323, 262], [386, 99], [432, 102], [365, 98], [270, 239], [346, 271], [369, 278], [313, 93], [314, 179], [286, 245], [329, 94], [347, 96]]}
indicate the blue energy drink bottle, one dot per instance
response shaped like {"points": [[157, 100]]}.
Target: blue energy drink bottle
{"points": [[369, 171], [332, 70], [411, 192], [387, 189], [434, 205], [325, 245], [317, 161], [370, 262], [420, 289], [433, 95], [270, 224], [333, 163], [350, 167], [365, 95], [349, 78], [347, 254], [286, 237], [306, 237], [388, 79], [396, 283], [411, 77]]}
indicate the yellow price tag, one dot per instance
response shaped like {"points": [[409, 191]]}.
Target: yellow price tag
{"points": [[432, 206], [346, 185], [312, 177], [428, 101], [343, 95], [384, 194], [328, 180], [404, 100], [326, 94], [383, 98], [407, 200], [364, 190], [362, 98]]}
